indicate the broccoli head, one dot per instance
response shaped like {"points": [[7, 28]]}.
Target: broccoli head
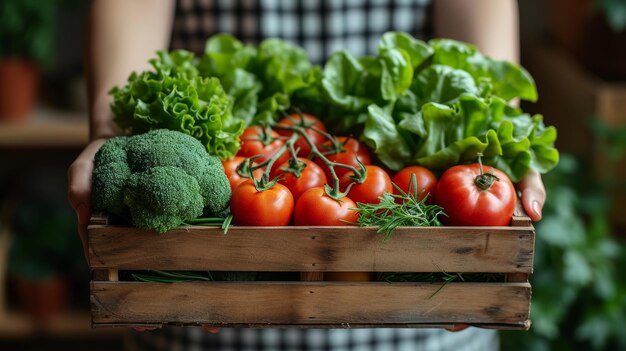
{"points": [[162, 178]]}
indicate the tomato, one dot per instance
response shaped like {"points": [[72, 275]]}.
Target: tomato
{"points": [[311, 176], [252, 144], [315, 207], [230, 168], [425, 181], [303, 120], [271, 207], [353, 149], [376, 184], [466, 203]]}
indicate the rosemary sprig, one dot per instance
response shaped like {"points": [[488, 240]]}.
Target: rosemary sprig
{"points": [[395, 210]]}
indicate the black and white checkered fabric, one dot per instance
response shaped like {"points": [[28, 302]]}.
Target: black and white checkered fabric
{"points": [[320, 26], [195, 339]]}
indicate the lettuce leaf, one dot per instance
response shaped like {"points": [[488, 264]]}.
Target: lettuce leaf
{"points": [[174, 96], [438, 104]]}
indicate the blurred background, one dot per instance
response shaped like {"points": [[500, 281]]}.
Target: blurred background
{"points": [[575, 50]]}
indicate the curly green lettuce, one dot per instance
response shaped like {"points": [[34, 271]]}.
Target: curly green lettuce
{"points": [[173, 95]]}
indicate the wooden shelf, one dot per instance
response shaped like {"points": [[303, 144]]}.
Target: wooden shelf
{"points": [[46, 128]]}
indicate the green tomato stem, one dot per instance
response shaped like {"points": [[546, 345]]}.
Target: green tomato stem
{"points": [[483, 181]]}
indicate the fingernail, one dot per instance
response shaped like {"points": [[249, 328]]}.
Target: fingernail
{"points": [[537, 208]]}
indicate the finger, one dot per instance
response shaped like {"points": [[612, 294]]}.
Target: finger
{"points": [[209, 329], [458, 327], [533, 195], [143, 329]]}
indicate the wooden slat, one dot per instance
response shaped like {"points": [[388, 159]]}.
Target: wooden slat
{"points": [[438, 249], [310, 303], [520, 219]]}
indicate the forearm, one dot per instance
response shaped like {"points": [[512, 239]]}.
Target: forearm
{"points": [[123, 34], [491, 25]]}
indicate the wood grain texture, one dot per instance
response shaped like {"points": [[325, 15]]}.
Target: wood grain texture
{"points": [[311, 249], [311, 304]]}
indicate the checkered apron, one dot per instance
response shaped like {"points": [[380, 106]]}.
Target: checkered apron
{"points": [[383, 339], [320, 27]]}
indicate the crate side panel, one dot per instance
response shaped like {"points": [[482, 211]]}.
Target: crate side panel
{"points": [[310, 303], [315, 249]]}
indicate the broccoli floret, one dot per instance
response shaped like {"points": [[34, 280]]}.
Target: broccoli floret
{"points": [[163, 177], [162, 197], [109, 184]]}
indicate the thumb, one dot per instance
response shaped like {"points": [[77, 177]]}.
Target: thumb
{"points": [[533, 195], [79, 181]]}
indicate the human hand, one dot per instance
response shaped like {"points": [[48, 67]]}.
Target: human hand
{"points": [[533, 194], [457, 327], [79, 187]]}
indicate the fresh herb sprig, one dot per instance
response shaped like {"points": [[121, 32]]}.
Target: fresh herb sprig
{"points": [[171, 277], [397, 210], [223, 223]]}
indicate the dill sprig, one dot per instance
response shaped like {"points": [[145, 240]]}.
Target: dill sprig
{"points": [[398, 210]]}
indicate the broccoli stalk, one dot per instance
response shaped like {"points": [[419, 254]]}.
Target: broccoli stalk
{"points": [[162, 178]]}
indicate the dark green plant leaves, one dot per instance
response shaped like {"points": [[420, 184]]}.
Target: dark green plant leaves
{"points": [[453, 106]]}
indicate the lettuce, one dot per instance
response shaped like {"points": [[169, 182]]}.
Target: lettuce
{"points": [[437, 104], [262, 80], [174, 96]]}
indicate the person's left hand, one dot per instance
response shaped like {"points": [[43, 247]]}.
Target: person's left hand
{"points": [[533, 198], [533, 195]]}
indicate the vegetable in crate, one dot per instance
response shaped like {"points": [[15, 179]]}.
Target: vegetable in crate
{"points": [[175, 96], [162, 177], [436, 104], [475, 196]]}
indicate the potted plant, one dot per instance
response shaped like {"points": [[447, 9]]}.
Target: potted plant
{"points": [[26, 33], [43, 255]]}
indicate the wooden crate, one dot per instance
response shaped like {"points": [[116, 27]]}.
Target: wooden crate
{"points": [[312, 302]]}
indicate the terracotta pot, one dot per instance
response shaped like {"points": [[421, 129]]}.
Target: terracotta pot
{"points": [[19, 80], [43, 300]]}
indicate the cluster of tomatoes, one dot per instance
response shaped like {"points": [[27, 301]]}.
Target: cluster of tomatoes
{"points": [[304, 199]]}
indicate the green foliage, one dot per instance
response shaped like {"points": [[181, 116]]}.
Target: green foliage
{"points": [[27, 29], [174, 96], [439, 104], [579, 295], [263, 80], [615, 13], [162, 178], [44, 243], [404, 209]]}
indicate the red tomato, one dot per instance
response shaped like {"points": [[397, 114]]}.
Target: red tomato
{"points": [[272, 207], [425, 181], [303, 120], [314, 207], [311, 176], [230, 168], [376, 184], [467, 204], [252, 145], [353, 150]]}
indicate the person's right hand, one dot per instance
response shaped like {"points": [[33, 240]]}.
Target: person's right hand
{"points": [[79, 187]]}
